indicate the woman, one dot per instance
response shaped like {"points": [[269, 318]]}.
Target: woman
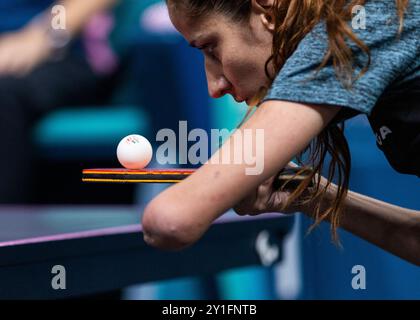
{"points": [[310, 65]]}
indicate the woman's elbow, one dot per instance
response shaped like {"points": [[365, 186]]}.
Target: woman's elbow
{"points": [[164, 228]]}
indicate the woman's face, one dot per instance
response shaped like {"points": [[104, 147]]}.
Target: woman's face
{"points": [[235, 52]]}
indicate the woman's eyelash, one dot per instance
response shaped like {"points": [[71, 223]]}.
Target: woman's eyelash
{"points": [[204, 47], [208, 48]]}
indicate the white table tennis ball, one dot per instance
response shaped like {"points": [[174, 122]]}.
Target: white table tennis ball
{"points": [[134, 152]]}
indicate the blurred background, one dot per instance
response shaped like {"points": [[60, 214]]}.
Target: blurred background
{"points": [[66, 102]]}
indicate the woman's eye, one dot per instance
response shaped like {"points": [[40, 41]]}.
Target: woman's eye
{"points": [[210, 52]]}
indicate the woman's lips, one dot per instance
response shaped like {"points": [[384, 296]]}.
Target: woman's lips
{"points": [[239, 99]]}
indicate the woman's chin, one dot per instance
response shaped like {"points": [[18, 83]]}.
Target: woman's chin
{"points": [[257, 98]]}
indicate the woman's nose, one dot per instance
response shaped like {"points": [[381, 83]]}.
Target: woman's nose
{"points": [[219, 87]]}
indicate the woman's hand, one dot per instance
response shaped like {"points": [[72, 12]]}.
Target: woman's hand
{"points": [[23, 50], [268, 198], [263, 200]]}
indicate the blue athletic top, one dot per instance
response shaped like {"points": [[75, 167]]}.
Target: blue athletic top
{"points": [[389, 93]]}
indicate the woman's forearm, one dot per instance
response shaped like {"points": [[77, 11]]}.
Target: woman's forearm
{"points": [[180, 215], [392, 228]]}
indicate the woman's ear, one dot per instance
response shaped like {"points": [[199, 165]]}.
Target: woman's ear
{"points": [[264, 9]]}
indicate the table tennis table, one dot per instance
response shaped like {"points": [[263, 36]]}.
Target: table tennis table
{"points": [[102, 249]]}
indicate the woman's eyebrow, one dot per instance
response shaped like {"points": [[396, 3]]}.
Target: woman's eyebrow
{"points": [[193, 43]]}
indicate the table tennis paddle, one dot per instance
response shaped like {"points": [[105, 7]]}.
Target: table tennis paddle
{"points": [[115, 175], [135, 176]]}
